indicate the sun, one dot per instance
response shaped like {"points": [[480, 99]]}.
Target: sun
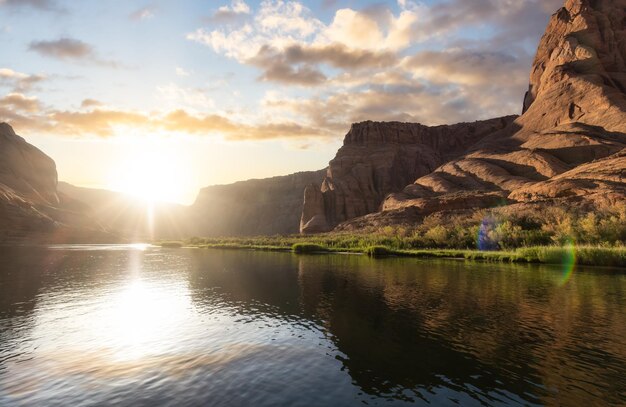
{"points": [[151, 176]]}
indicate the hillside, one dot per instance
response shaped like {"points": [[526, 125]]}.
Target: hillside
{"points": [[566, 149]]}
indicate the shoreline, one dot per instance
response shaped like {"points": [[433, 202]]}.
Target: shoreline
{"points": [[595, 256]]}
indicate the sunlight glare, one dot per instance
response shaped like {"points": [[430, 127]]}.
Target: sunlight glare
{"points": [[153, 176]]}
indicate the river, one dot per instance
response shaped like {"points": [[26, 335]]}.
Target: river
{"points": [[144, 326]]}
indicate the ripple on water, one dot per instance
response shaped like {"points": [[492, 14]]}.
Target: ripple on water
{"points": [[141, 326]]}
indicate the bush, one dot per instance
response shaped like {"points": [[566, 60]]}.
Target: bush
{"points": [[308, 248], [438, 235], [378, 251], [171, 245]]}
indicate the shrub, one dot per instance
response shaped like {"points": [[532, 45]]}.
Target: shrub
{"points": [[378, 251], [308, 248], [438, 235], [171, 245]]}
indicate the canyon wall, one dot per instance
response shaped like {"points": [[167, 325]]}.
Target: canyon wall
{"points": [[31, 209], [566, 147], [254, 207]]}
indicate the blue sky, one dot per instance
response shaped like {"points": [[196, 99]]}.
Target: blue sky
{"points": [[237, 89]]}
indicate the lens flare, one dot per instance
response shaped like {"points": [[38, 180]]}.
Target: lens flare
{"points": [[569, 261], [484, 241]]}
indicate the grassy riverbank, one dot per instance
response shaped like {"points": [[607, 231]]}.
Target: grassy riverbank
{"points": [[552, 235], [570, 254]]}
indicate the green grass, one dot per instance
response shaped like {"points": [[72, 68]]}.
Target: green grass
{"points": [[308, 248], [170, 244], [583, 255], [379, 251], [383, 245]]}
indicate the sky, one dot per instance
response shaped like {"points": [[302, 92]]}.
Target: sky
{"points": [[164, 97]]}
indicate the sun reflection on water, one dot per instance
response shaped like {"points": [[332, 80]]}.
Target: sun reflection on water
{"points": [[140, 319], [137, 316]]}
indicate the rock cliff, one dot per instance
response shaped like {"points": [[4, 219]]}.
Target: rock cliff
{"points": [[30, 206], [568, 143], [379, 158], [254, 207]]}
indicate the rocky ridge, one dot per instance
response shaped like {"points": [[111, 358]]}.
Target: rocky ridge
{"points": [[30, 206], [568, 143], [254, 207]]}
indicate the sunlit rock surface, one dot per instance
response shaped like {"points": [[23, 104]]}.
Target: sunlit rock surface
{"points": [[30, 206], [567, 145]]}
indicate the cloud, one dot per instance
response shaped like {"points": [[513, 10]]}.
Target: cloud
{"points": [[290, 45], [182, 121], [69, 49], [46, 5], [413, 62], [20, 112], [64, 48], [18, 81], [87, 103], [230, 14], [296, 64], [20, 102], [466, 67], [182, 72], [100, 122], [372, 29], [144, 13], [435, 63], [276, 24], [335, 55], [172, 95], [513, 21]]}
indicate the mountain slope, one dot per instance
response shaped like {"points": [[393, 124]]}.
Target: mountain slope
{"points": [[568, 144], [30, 207], [254, 207]]}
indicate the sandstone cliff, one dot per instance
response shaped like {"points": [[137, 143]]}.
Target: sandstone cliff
{"points": [[30, 207], [254, 207], [379, 158], [246, 208], [569, 142]]}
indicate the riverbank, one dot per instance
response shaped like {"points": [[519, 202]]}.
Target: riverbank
{"points": [[569, 254]]}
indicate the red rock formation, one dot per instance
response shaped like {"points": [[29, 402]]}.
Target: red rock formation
{"points": [[569, 142], [379, 158]]}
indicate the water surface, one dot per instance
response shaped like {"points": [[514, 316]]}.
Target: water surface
{"points": [[135, 326]]}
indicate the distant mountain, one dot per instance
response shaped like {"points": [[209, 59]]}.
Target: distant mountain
{"points": [[127, 216], [254, 207]]}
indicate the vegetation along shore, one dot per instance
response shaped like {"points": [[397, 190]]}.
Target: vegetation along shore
{"points": [[550, 236]]}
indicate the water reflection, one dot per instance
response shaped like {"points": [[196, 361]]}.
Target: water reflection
{"points": [[191, 327]]}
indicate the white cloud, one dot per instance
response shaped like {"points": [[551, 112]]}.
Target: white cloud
{"points": [[182, 72], [176, 97], [232, 13], [18, 81], [237, 7], [145, 13], [277, 24]]}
